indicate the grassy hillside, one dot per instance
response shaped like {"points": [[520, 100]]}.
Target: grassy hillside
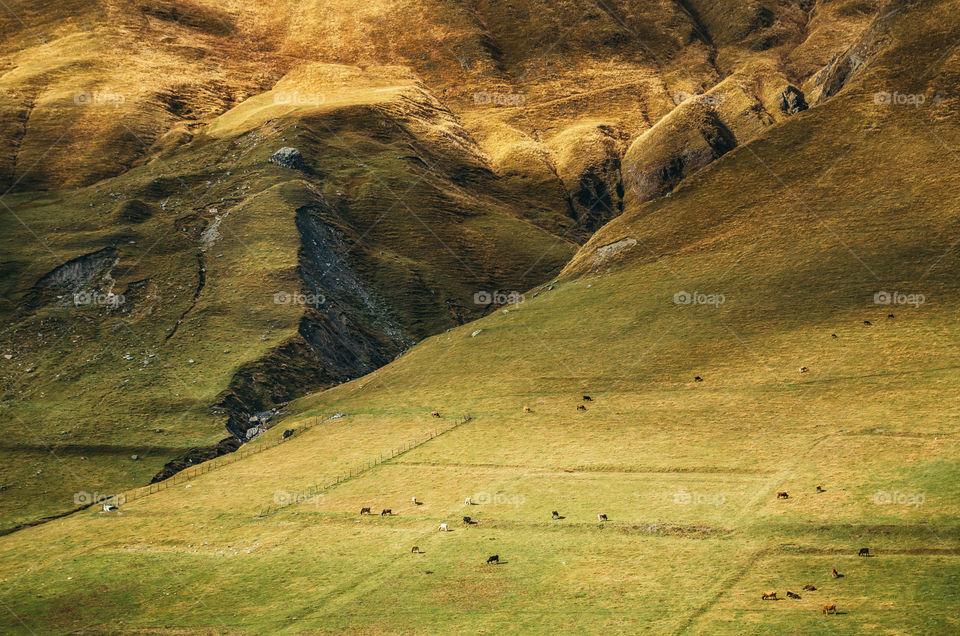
{"points": [[786, 246]]}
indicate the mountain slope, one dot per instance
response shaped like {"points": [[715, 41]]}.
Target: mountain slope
{"points": [[780, 244]]}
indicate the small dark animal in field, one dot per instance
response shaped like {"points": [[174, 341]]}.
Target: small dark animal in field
{"points": [[833, 335], [783, 495], [829, 609], [698, 379], [435, 414], [792, 595], [581, 407], [890, 316], [809, 588], [555, 515], [587, 398], [820, 489], [494, 559], [768, 596], [526, 409], [835, 574], [601, 517], [467, 520], [287, 433], [868, 323], [804, 369], [864, 552], [415, 502], [415, 550], [365, 511], [385, 512]]}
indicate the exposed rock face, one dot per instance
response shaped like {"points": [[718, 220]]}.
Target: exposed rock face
{"points": [[76, 274], [287, 158], [682, 143], [792, 100]]}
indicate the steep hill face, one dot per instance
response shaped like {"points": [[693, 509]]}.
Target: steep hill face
{"points": [[163, 280]]}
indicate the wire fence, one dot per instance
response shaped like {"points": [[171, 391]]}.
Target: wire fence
{"points": [[246, 450], [283, 499]]}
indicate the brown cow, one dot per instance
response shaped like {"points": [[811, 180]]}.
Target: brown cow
{"points": [[365, 511], [435, 414], [809, 588], [581, 407], [792, 595], [829, 609], [782, 495], [526, 409], [769, 596], [835, 574], [415, 550]]}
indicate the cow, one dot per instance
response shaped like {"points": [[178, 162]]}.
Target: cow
{"points": [[365, 511], [833, 335], [287, 433], [698, 379], [415, 550], [581, 407], [467, 502], [783, 495], [809, 588], [415, 502], [443, 527], [829, 609], [864, 552], [494, 559], [435, 414], [835, 574], [889, 315], [555, 515], [601, 517], [792, 595], [109, 507], [467, 520], [868, 323], [804, 369], [526, 409], [768, 596], [385, 512], [587, 398], [820, 489]]}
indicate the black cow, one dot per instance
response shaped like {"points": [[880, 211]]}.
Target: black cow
{"points": [[864, 552], [494, 559], [555, 514], [385, 512], [587, 398], [287, 433], [698, 379]]}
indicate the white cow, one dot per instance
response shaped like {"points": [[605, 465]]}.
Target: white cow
{"points": [[443, 527], [601, 517], [468, 502]]}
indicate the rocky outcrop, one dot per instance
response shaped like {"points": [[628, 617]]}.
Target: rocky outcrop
{"points": [[683, 142], [287, 158]]}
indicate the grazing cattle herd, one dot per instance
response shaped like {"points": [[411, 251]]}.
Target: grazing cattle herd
{"points": [[770, 595]]}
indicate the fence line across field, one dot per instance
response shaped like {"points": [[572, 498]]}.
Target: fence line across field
{"points": [[226, 459], [300, 496], [257, 447]]}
